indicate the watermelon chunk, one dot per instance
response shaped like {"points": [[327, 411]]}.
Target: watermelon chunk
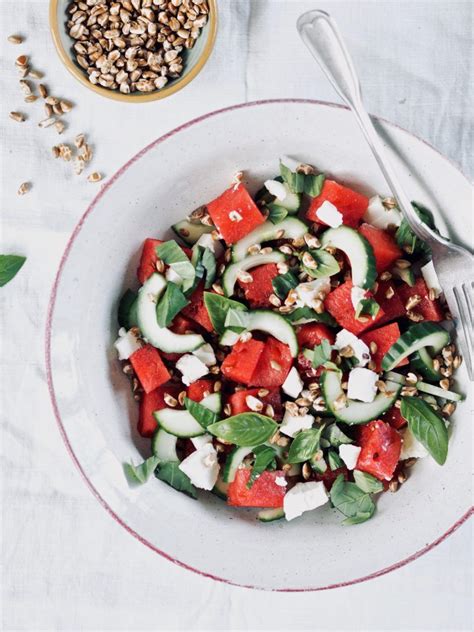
{"points": [[240, 364], [381, 446], [263, 493], [384, 338], [394, 418], [199, 389], [339, 304], [154, 401], [149, 368], [311, 334], [273, 365], [259, 290], [385, 247], [196, 309], [329, 476], [235, 214], [148, 259], [351, 204], [393, 307], [238, 404], [430, 310]]}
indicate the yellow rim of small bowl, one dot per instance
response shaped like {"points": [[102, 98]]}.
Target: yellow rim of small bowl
{"points": [[133, 98]]}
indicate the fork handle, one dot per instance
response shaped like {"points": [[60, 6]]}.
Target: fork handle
{"points": [[323, 39]]}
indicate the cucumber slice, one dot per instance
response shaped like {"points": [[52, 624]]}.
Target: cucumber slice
{"points": [[357, 249], [422, 362], [161, 337], [181, 423], [163, 445], [292, 227], [437, 391], [230, 275], [127, 310], [229, 338], [270, 515], [417, 337], [356, 412], [190, 232], [290, 203], [269, 322], [220, 488], [233, 461]]}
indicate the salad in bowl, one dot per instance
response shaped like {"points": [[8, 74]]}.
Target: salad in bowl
{"points": [[289, 350]]}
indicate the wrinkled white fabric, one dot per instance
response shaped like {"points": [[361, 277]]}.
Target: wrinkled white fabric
{"points": [[66, 564]]}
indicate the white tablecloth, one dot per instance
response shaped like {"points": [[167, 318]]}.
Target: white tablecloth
{"points": [[66, 564]]}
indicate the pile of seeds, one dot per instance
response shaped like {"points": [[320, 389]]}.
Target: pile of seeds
{"points": [[134, 45]]}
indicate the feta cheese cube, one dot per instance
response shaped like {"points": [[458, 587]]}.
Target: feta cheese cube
{"points": [[361, 385], [361, 351], [174, 277], [293, 385], [202, 467], [357, 294], [349, 454], [411, 447], [276, 188], [127, 343], [292, 424], [328, 214], [206, 240], [431, 278], [201, 440], [304, 497], [206, 354], [191, 367], [307, 293], [381, 217], [280, 481]]}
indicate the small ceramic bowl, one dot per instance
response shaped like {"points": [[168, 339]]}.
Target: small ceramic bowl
{"points": [[194, 59]]}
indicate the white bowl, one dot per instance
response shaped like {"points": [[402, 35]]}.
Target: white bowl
{"points": [[92, 402]]}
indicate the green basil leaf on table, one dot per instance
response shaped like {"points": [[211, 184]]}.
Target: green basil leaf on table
{"points": [[264, 457], [313, 184], [334, 460], [141, 473], [9, 267], [327, 264], [305, 445], [170, 304], [277, 214], [169, 472], [302, 315], [246, 429], [283, 283], [236, 320], [351, 501], [208, 261], [407, 239], [367, 307], [174, 256], [295, 181], [367, 483], [427, 426], [335, 436], [217, 307], [321, 353], [201, 414]]}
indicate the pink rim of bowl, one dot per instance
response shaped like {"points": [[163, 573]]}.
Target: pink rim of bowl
{"points": [[64, 436]]}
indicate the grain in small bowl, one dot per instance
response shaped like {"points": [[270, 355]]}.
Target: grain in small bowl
{"points": [[134, 50]]}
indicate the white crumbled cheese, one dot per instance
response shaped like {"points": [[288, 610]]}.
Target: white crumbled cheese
{"points": [[304, 497], [293, 385], [361, 385], [431, 278], [235, 216], [361, 351], [329, 214], [307, 293], [206, 354], [191, 367], [206, 240], [357, 294], [292, 424], [202, 467], [411, 447], [201, 440], [127, 343], [381, 217], [280, 481], [276, 188], [290, 163], [174, 277], [349, 454]]}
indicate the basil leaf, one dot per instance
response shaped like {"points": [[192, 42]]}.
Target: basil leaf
{"points": [[321, 353], [351, 501], [169, 472], [141, 473], [208, 261], [367, 483], [304, 445], [334, 460], [201, 414], [302, 315], [295, 181], [327, 264], [246, 429], [9, 267], [125, 314], [313, 184], [264, 456], [170, 304], [283, 283], [217, 307], [427, 426], [335, 436], [367, 307], [276, 213], [407, 239], [174, 256], [236, 320]]}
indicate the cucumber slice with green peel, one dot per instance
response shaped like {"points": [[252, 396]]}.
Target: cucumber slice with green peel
{"points": [[220, 488], [293, 229], [163, 445], [437, 391], [422, 362], [181, 423], [422, 335], [270, 515], [406, 274], [290, 203], [230, 276], [233, 461], [190, 232], [127, 310], [318, 465], [229, 338], [267, 321], [356, 412], [357, 249], [391, 376], [160, 337]]}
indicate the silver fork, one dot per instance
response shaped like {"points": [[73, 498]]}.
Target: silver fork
{"points": [[453, 264]]}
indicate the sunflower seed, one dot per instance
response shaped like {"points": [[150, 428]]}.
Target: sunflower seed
{"points": [[24, 188], [15, 39], [94, 177], [17, 116]]}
